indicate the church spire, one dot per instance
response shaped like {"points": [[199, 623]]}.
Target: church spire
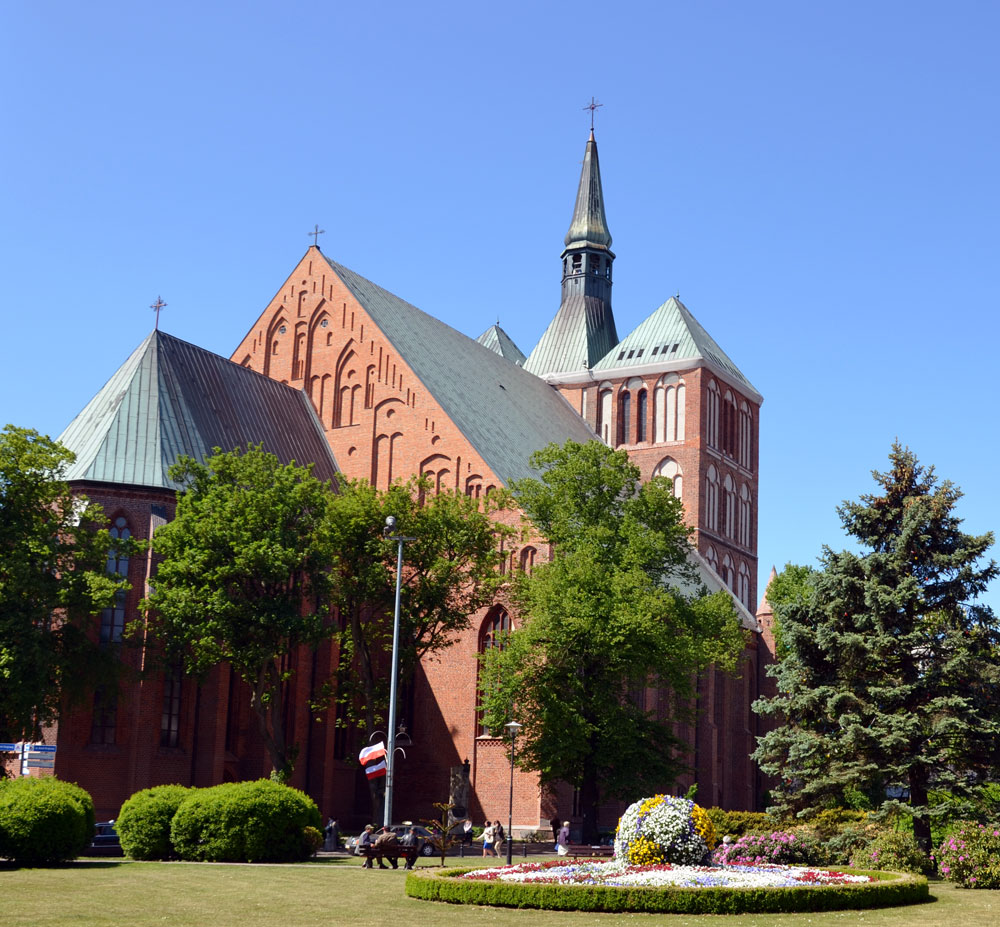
{"points": [[590, 224], [583, 329]]}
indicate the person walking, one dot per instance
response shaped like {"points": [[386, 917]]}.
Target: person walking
{"points": [[488, 836], [499, 837], [562, 842]]}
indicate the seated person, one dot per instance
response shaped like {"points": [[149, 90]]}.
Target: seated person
{"points": [[412, 839]]}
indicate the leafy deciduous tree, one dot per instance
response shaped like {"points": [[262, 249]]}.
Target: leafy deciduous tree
{"points": [[52, 581], [606, 617], [450, 571], [245, 575], [889, 675]]}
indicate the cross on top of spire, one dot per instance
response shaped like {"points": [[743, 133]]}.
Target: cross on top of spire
{"points": [[592, 106], [316, 232], [156, 307]]}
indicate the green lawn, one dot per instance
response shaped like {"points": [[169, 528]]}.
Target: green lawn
{"points": [[340, 892]]}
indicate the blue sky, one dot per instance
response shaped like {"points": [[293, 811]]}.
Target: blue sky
{"points": [[818, 181]]}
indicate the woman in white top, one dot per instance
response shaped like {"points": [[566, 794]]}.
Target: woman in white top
{"points": [[488, 841]]}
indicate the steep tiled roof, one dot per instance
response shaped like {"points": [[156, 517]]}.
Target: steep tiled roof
{"points": [[505, 412], [582, 332], [671, 334], [172, 398], [496, 339]]}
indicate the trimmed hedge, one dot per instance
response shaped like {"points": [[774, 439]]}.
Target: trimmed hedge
{"points": [[890, 890], [44, 820], [143, 823], [738, 823], [252, 822]]}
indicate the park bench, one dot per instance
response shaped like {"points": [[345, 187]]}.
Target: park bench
{"points": [[391, 852], [577, 850]]}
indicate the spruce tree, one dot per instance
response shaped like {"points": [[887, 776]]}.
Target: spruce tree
{"points": [[889, 679]]}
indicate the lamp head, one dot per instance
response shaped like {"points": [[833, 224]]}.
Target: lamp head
{"points": [[513, 728], [390, 525]]}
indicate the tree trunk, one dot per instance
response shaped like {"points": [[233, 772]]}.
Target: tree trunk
{"points": [[270, 719], [918, 798], [589, 800]]}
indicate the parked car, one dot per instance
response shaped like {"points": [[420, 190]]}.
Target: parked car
{"points": [[105, 841], [399, 829]]}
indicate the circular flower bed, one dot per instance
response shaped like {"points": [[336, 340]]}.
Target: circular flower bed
{"points": [[600, 885], [662, 829]]}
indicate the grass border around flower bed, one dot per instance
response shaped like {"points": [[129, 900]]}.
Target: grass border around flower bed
{"points": [[891, 889]]}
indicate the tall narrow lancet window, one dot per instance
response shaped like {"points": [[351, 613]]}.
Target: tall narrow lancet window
{"points": [[729, 424], [624, 418], [729, 506], [712, 414], [728, 574], [170, 720], [641, 414], [744, 537], [743, 584], [746, 431], [712, 499], [604, 415], [113, 618], [712, 558]]}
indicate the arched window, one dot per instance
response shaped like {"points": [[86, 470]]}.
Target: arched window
{"points": [[743, 585], [729, 424], [113, 618], [712, 414], [640, 416], [728, 574], [729, 507], [604, 414], [669, 468], [528, 555], [624, 417], [668, 409], [493, 633], [712, 499], [712, 558], [745, 515], [746, 433]]}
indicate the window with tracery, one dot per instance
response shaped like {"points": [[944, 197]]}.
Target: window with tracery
{"points": [[170, 719], [493, 634], [624, 417], [113, 618]]}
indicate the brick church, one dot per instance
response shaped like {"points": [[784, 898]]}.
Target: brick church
{"points": [[341, 373]]}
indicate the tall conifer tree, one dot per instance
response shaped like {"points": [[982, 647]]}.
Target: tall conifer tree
{"points": [[889, 678]]}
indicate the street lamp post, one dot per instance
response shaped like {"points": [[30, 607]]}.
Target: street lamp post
{"points": [[512, 728], [390, 758]]}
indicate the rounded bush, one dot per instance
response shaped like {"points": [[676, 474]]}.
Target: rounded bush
{"points": [[143, 823], [755, 849], [44, 820], [262, 821], [663, 829], [894, 850], [970, 856]]}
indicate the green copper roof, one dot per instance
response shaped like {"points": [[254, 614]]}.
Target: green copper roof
{"points": [[496, 339], [171, 398], [589, 226], [505, 412], [671, 334]]}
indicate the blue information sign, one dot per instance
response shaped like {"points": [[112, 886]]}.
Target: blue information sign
{"points": [[43, 748], [10, 748]]}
